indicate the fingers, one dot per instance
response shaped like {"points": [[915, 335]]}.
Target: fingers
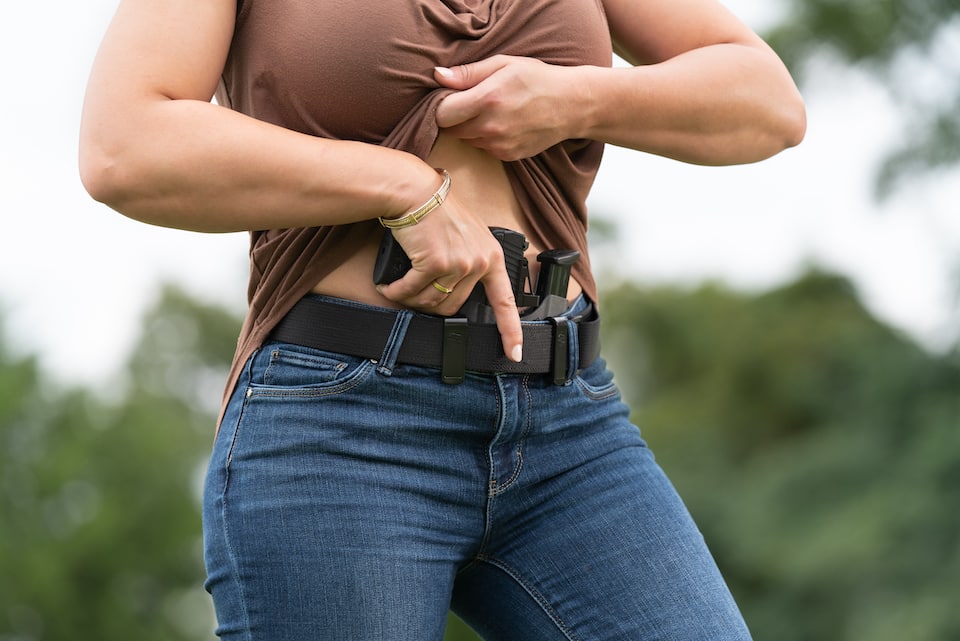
{"points": [[457, 109], [511, 107], [440, 284], [500, 296], [471, 74], [436, 294], [443, 289], [465, 105]]}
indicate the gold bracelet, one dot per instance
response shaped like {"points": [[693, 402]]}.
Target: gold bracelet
{"points": [[418, 214]]}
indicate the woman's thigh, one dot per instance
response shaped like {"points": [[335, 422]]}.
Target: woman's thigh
{"points": [[339, 503], [590, 541]]}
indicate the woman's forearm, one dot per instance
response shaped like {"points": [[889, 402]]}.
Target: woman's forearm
{"points": [[721, 104], [194, 165]]}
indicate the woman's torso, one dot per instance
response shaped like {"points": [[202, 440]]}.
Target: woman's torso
{"points": [[363, 70], [481, 183]]}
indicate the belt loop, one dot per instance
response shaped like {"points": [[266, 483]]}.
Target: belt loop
{"points": [[389, 357], [573, 355]]}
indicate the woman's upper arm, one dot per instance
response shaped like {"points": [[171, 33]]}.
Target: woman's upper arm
{"points": [[651, 31], [159, 49], [154, 52]]}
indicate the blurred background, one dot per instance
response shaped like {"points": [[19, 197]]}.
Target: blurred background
{"points": [[788, 334]]}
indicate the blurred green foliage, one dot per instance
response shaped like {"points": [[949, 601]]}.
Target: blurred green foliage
{"points": [[818, 449], [910, 46], [99, 528]]}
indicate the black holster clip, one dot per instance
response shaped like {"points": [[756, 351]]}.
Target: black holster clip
{"points": [[454, 350], [561, 347]]}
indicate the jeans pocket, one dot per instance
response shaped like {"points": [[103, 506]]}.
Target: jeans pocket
{"points": [[288, 368], [596, 381]]}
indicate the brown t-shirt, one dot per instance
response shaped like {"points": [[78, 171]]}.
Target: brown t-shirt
{"points": [[363, 70]]}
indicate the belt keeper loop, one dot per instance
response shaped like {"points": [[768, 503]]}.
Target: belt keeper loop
{"points": [[559, 362], [454, 363]]}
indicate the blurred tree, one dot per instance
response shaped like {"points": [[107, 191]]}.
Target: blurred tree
{"points": [[911, 46], [99, 519]]}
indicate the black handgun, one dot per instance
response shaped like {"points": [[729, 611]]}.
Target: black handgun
{"points": [[477, 308], [392, 263]]}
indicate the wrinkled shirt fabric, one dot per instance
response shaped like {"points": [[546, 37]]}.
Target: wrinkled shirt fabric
{"points": [[363, 70]]}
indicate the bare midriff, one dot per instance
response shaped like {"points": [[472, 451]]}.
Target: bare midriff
{"points": [[481, 181]]}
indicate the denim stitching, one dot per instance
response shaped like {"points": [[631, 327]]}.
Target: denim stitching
{"points": [[231, 549], [597, 394], [281, 356], [339, 387], [235, 567], [498, 425], [490, 493], [388, 360], [533, 592], [497, 488], [236, 426]]}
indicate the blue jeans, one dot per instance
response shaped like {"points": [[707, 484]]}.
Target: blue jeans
{"points": [[349, 499]]}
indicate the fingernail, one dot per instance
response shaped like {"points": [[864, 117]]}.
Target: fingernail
{"points": [[444, 71], [517, 354]]}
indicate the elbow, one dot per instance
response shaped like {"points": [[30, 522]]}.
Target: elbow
{"points": [[95, 176], [794, 122], [786, 111], [783, 128], [101, 176]]}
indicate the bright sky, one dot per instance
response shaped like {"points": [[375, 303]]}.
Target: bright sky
{"points": [[74, 276]]}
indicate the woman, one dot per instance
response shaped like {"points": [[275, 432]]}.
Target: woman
{"points": [[352, 493]]}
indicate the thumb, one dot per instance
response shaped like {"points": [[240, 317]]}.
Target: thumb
{"points": [[468, 75]]}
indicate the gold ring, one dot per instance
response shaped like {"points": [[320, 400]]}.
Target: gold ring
{"points": [[440, 288]]}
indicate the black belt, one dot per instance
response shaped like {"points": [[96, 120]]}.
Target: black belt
{"points": [[450, 344]]}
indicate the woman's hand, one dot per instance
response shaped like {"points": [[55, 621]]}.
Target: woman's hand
{"points": [[705, 90], [452, 250], [509, 106]]}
